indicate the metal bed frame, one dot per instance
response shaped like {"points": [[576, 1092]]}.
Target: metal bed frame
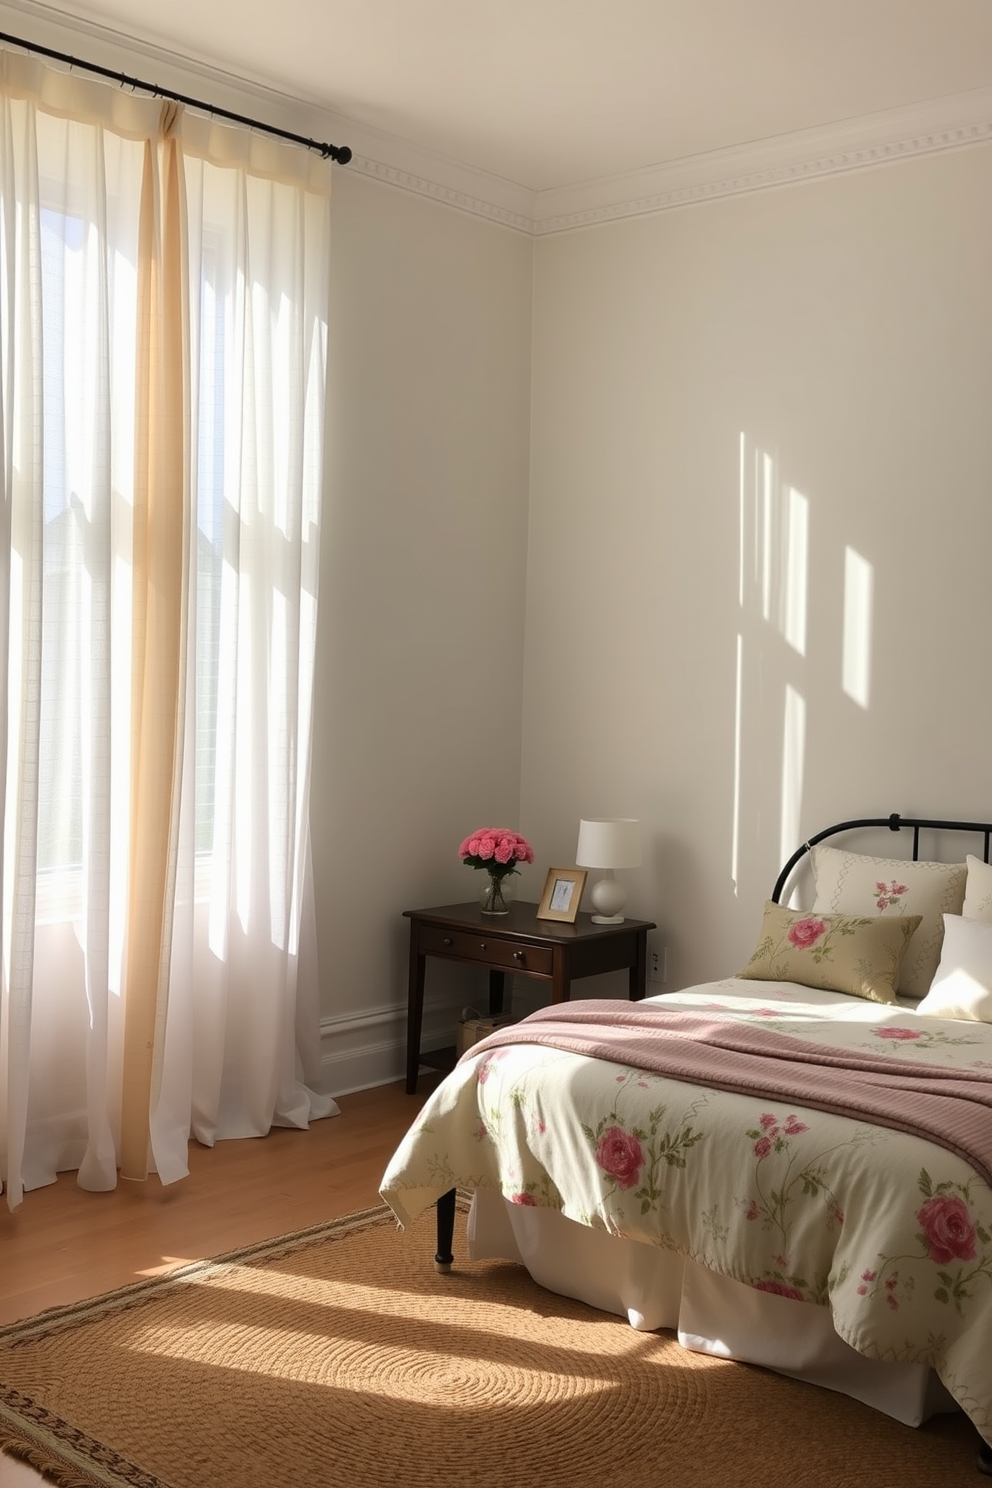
{"points": [[895, 823]]}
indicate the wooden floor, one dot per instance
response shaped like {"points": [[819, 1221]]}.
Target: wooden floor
{"points": [[63, 1244]]}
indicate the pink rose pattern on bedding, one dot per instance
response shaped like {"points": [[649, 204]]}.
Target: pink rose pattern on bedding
{"points": [[784, 1199]]}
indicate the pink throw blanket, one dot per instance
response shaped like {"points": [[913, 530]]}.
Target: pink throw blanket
{"points": [[951, 1107]]}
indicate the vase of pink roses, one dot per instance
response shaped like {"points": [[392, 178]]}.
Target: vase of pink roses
{"points": [[497, 851]]}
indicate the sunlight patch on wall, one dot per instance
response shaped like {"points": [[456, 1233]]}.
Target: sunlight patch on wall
{"points": [[773, 594], [767, 506], [736, 827], [796, 569], [858, 597], [773, 528], [741, 515], [793, 758]]}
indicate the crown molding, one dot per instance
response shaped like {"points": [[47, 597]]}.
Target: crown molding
{"points": [[937, 125]]}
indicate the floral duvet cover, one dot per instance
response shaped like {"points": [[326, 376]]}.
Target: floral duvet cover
{"points": [[890, 1231]]}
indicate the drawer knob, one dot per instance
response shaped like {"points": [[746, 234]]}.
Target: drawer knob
{"points": [[518, 955], [447, 940]]}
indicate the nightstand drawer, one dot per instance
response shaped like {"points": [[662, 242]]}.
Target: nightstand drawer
{"points": [[489, 950]]}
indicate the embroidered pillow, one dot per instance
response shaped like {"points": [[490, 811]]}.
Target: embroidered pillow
{"points": [[851, 883], [962, 984], [978, 890], [859, 954]]}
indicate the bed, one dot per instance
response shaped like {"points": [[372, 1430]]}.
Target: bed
{"points": [[790, 1166]]}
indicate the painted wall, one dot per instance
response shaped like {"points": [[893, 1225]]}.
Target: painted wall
{"points": [[421, 619], [760, 527]]}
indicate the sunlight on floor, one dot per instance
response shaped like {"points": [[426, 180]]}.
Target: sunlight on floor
{"points": [[167, 1263], [279, 1350]]}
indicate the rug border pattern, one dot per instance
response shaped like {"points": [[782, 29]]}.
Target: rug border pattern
{"points": [[64, 1454]]}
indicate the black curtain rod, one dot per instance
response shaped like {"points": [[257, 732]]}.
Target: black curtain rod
{"points": [[339, 153]]}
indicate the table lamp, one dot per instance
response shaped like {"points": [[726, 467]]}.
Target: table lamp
{"points": [[613, 843]]}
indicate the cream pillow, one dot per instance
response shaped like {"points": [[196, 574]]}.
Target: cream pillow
{"points": [[838, 953], [978, 890], [962, 984], [851, 883]]}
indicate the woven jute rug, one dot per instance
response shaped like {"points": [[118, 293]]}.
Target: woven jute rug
{"points": [[338, 1357]]}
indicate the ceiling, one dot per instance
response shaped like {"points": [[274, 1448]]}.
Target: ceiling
{"points": [[546, 94]]}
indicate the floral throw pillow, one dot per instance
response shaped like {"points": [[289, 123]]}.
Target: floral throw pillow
{"points": [[858, 954], [853, 883]]}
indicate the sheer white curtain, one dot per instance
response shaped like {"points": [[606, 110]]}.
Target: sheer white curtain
{"points": [[162, 330]]}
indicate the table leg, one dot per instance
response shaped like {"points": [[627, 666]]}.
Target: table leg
{"points": [[561, 976], [497, 985], [415, 1014], [638, 976]]}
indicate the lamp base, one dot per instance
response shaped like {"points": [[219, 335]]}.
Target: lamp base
{"points": [[608, 897]]}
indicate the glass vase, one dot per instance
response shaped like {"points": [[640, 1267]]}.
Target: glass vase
{"points": [[496, 894]]}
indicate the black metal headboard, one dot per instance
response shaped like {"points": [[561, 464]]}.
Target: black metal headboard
{"points": [[895, 823]]}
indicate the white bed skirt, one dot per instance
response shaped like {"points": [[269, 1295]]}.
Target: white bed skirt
{"points": [[711, 1314]]}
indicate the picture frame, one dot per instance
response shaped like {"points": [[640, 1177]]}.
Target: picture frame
{"points": [[562, 894]]}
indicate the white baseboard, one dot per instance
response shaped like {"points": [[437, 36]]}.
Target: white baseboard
{"points": [[361, 1050]]}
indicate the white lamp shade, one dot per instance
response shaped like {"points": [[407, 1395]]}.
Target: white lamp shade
{"points": [[609, 843]]}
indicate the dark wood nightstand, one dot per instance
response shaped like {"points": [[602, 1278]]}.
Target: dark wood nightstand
{"points": [[547, 950]]}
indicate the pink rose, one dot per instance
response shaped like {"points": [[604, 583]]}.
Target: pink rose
{"points": [[762, 1147], [780, 1289], [805, 933], [485, 1065], [500, 843], [620, 1154], [522, 1198], [898, 1033], [890, 893], [948, 1229]]}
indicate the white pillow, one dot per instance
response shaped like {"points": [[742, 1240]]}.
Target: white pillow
{"points": [[978, 890], [962, 984], [851, 883]]}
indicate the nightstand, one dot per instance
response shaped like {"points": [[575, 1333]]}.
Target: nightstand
{"points": [[549, 951]]}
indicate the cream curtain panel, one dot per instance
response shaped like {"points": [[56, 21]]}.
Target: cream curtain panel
{"points": [[163, 315]]}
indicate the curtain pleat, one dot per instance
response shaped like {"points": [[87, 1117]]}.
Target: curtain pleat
{"points": [[158, 570], [163, 289], [22, 537]]}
